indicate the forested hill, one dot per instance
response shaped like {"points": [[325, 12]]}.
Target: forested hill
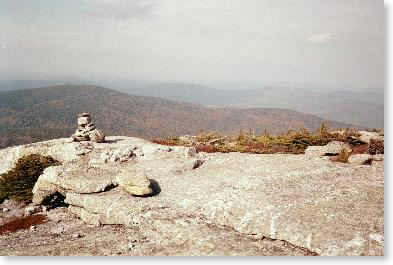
{"points": [[362, 108], [31, 115]]}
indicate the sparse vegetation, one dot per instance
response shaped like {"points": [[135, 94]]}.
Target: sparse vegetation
{"points": [[164, 142], [376, 147], [292, 142], [206, 148], [17, 184], [360, 149], [342, 157], [19, 223]]}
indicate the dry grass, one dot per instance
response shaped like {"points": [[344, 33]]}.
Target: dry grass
{"points": [[342, 157], [22, 223]]}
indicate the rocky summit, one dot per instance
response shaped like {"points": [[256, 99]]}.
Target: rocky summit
{"points": [[171, 200]]}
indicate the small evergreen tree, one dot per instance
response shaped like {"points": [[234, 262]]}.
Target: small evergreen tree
{"points": [[18, 183], [324, 130]]}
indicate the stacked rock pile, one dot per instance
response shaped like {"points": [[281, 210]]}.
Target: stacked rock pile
{"points": [[87, 131]]}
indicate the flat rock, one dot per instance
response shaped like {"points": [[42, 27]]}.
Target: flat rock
{"points": [[84, 120], [74, 179], [360, 159], [332, 148], [367, 136], [84, 114], [60, 149], [308, 201]]}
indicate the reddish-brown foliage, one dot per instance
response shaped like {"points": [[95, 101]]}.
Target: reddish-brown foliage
{"points": [[272, 149], [257, 146], [360, 149], [279, 148], [22, 223], [163, 142], [206, 148], [376, 147]]}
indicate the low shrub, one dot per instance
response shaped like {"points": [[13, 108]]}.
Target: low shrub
{"points": [[324, 130], [17, 184], [204, 137], [342, 157], [291, 142], [360, 149], [376, 147]]}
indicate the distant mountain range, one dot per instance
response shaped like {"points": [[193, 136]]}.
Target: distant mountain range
{"points": [[30, 115], [361, 108], [9, 85]]}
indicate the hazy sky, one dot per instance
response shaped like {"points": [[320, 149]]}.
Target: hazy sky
{"points": [[326, 42]]}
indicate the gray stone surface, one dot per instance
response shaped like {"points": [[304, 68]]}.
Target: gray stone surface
{"points": [[308, 201], [367, 136], [360, 159], [378, 157], [332, 148], [64, 234], [134, 181], [33, 209]]}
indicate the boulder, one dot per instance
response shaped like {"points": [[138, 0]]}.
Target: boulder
{"points": [[367, 136], [135, 182], [360, 159], [47, 185], [97, 136], [331, 149], [335, 147], [41, 197], [30, 210]]}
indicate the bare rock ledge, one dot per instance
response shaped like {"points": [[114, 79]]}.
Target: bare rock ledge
{"points": [[308, 201]]}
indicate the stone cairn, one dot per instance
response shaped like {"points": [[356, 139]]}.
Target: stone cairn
{"points": [[87, 130]]}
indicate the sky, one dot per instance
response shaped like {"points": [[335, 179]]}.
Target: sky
{"points": [[332, 43]]}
